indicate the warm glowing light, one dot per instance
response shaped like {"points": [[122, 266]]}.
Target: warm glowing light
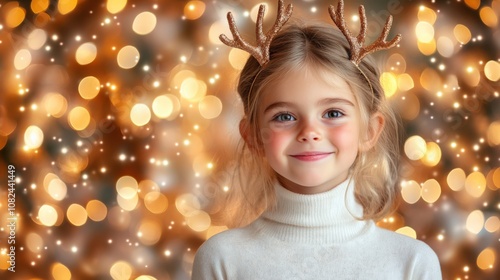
{"points": [[427, 15], [149, 232], [156, 202], [492, 70], [115, 6], [144, 23], [37, 39], [79, 118], [405, 82], [493, 133], [475, 184], [456, 179], [57, 189], [96, 210], [474, 4], [411, 191], [86, 53], [462, 33], [488, 16], [415, 147], [33, 137], [408, 231], [486, 259], [431, 190], [432, 155], [76, 214], [237, 58], [60, 272], [424, 32], [475, 221], [38, 6], [445, 46], [210, 107], [198, 220], [389, 83], [127, 186], [47, 215], [89, 87], [492, 224], [120, 270], [194, 9], [187, 204], [128, 57], [431, 80], [140, 114], [163, 106], [22, 59], [15, 16], [66, 6]]}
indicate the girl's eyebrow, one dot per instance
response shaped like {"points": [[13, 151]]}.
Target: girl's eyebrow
{"points": [[322, 102], [327, 101]]}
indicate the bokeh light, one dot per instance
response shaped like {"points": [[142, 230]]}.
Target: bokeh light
{"points": [[121, 119]]}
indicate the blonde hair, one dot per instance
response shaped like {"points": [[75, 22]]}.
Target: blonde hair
{"points": [[375, 171]]}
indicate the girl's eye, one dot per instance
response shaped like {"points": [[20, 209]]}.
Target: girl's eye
{"points": [[285, 117], [333, 114]]}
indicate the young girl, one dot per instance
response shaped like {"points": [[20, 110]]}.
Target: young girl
{"points": [[326, 144]]}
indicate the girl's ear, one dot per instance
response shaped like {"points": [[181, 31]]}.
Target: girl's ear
{"points": [[375, 127]]}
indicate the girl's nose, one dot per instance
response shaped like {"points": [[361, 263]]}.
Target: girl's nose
{"points": [[308, 133]]}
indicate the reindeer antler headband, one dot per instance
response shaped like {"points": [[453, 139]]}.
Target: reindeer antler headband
{"points": [[356, 43]]}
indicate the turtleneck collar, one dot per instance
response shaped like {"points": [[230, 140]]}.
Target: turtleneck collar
{"points": [[323, 218]]}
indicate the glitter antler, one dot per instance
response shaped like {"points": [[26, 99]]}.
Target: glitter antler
{"points": [[261, 50], [358, 51]]}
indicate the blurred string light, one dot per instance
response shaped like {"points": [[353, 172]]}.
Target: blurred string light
{"points": [[119, 115]]}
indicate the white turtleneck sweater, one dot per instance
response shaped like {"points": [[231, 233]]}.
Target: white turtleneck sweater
{"points": [[314, 237]]}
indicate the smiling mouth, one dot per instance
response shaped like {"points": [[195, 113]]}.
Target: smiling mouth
{"points": [[311, 156]]}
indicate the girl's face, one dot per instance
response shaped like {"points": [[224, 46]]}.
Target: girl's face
{"points": [[310, 130]]}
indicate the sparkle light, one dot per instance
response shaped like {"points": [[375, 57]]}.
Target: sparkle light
{"points": [[33, 137]]}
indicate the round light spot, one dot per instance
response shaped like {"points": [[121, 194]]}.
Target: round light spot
{"points": [[408, 231], [96, 210], [488, 16], [389, 83], [237, 58], [415, 147], [493, 133], [38, 6], [47, 215], [120, 270], [445, 46], [405, 82], [55, 104], [456, 179], [37, 39], [79, 118], [86, 53], [33, 137], [427, 15], [89, 87], [144, 23], [475, 221], [66, 6], [156, 202], [194, 9], [128, 57], [76, 214], [127, 186], [486, 259], [492, 224], [15, 16], [424, 32], [431, 190], [462, 34], [187, 204], [149, 232], [60, 272], [492, 70], [140, 114], [22, 59], [475, 184], [57, 189], [198, 221], [432, 155], [210, 107], [411, 192], [163, 106], [115, 6]]}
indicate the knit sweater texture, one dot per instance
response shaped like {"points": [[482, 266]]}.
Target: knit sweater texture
{"points": [[314, 237]]}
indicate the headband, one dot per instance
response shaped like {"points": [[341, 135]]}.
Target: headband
{"points": [[356, 43]]}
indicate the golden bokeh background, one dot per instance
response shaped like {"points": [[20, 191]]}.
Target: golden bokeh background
{"points": [[120, 118]]}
